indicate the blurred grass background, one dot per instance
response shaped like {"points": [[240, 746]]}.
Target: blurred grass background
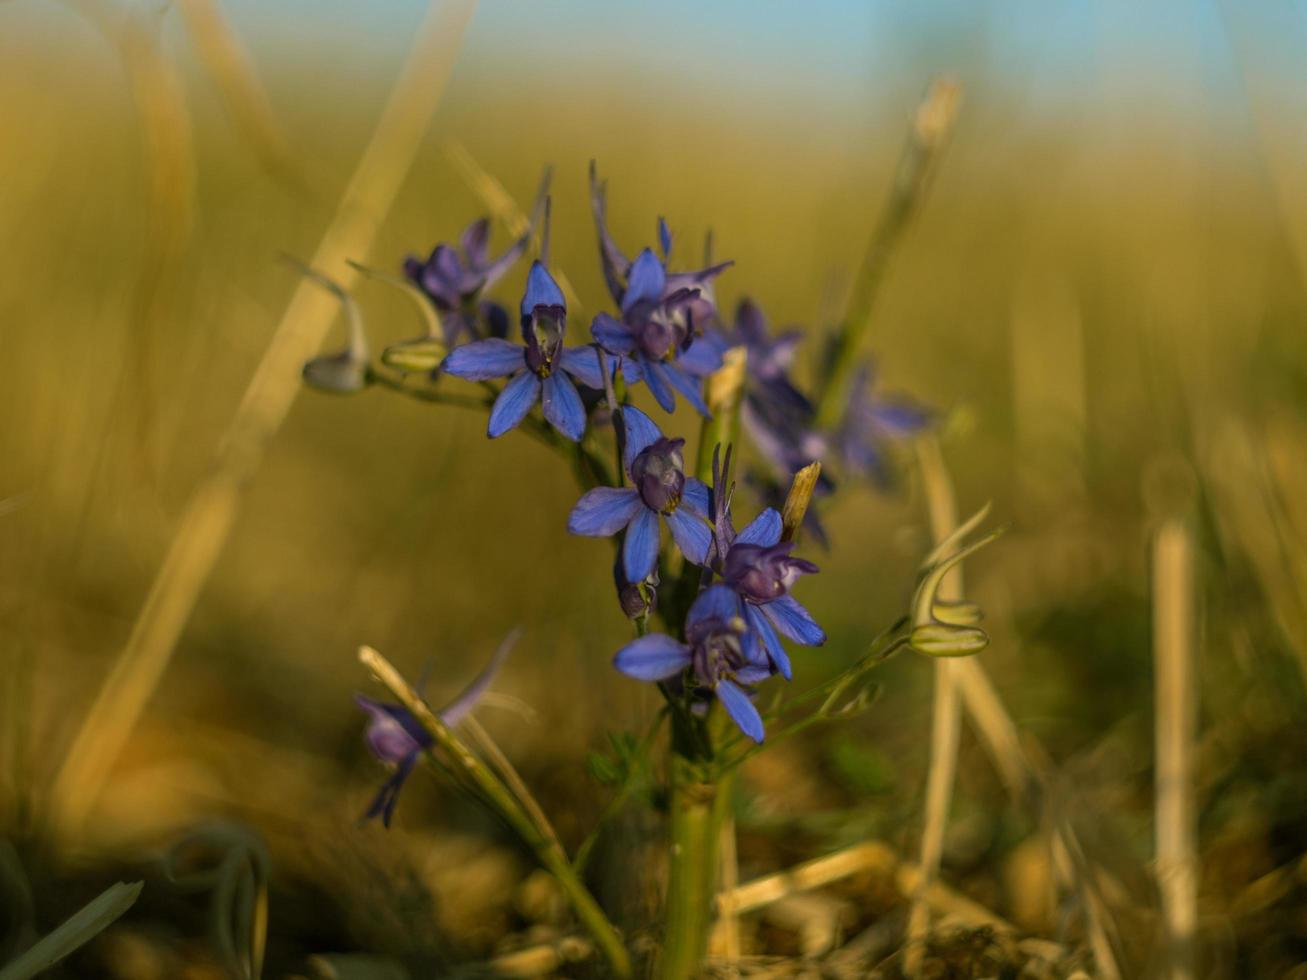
{"points": [[1104, 289]]}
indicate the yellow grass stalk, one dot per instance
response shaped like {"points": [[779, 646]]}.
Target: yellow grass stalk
{"points": [[946, 714], [212, 509], [1176, 723], [232, 72]]}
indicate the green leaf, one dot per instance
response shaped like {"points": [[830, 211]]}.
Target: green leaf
{"points": [[82, 927]]}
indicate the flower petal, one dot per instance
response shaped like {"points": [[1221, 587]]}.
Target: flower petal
{"points": [[454, 712], [611, 334], [771, 643], [582, 363], [793, 621], [715, 602], [754, 674], [695, 497], [604, 511], [541, 290], [659, 386], [474, 240], [687, 387], [899, 419], [482, 360], [641, 433], [741, 709], [640, 549], [645, 281], [615, 263], [655, 657], [765, 529], [693, 535], [563, 406], [513, 403], [703, 356], [383, 804], [664, 237]]}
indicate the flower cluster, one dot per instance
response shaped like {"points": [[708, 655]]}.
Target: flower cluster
{"points": [[732, 611]]}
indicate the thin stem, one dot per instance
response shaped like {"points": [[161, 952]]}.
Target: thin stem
{"points": [[930, 129], [614, 806], [946, 714], [548, 852], [509, 774]]}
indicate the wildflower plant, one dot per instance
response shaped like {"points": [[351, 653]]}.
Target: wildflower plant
{"points": [[713, 607]]}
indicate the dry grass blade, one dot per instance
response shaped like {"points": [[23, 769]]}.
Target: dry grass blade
{"points": [[946, 717], [1176, 724], [212, 510], [511, 777], [229, 66]]}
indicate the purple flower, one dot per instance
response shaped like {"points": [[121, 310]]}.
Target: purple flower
{"points": [[533, 369], [872, 421], [718, 650], [760, 570], [777, 416], [659, 486], [659, 335], [396, 738], [455, 277]]}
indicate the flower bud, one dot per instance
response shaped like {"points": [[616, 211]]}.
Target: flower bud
{"points": [[943, 640]]}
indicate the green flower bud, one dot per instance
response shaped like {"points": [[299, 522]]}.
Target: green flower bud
{"points": [[942, 640]]}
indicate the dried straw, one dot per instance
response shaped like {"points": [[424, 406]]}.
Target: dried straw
{"points": [[212, 510]]}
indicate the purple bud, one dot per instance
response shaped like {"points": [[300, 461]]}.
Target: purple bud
{"points": [[659, 474], [762, 574]]}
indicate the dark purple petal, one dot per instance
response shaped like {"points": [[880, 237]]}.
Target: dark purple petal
{"points": [[658, 385], [793, 621], [645, 282], [741, 709], [541, 290], [483, 360], [383, 804], [693, 535], [604, 511], [641, 433], [664, 237], [689, 389], [563, 406], [615, 263], [655, 657], [715, 602], [513, 403], [612, 335], [695, 497], [640, 549], [454, 712], [764, 530], [771, 643], [474, 241]]}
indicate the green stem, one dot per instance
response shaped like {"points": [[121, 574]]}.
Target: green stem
{"points": [[914, 168], [550, 854], [692, 877]]}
